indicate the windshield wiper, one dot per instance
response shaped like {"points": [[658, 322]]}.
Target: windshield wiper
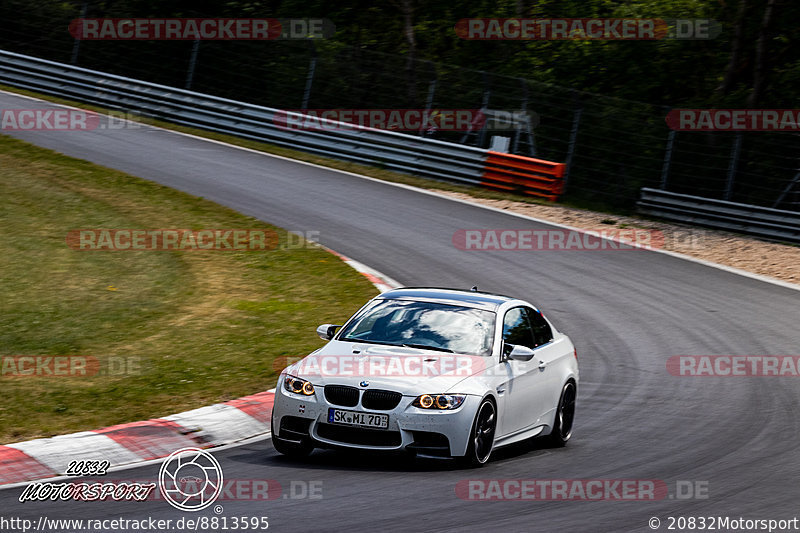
{"points": [[366, 341], [427, 347], [419, 346]]}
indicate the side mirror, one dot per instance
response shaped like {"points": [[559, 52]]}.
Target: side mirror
{"points": [[327, 331], [518, 352]]}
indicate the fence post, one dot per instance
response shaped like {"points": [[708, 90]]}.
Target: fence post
{"points": [[734, 162], [487, 94], [573, 137], [77, 45], [312, 68], [192, 64], [428, 102], [667, 159], [518, 130], [788, 188]]}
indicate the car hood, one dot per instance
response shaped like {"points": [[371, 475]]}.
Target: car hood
{"points": [[410, 371]]}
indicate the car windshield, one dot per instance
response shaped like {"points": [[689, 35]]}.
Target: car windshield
{"points": [[449, 328]]}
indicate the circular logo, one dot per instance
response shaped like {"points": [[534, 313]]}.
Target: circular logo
{"points": [[190, 479]]}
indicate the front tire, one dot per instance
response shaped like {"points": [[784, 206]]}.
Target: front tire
{"points": [[565, 416], [481, 437]]}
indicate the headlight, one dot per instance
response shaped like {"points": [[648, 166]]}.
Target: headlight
{"points": [[298, 386], [439, 401]]}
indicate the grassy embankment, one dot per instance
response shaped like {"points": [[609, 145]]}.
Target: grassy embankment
{"points": [[194, 327]]}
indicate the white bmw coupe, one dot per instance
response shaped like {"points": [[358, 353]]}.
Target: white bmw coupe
{"points": [[436, 372]]}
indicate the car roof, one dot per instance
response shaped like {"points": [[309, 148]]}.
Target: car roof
{"points": [[467, 298]]}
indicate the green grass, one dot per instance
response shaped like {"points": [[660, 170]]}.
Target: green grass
{"points": [[202, 327]]}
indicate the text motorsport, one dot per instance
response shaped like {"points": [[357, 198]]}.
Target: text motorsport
{"points": [[88, 492]]}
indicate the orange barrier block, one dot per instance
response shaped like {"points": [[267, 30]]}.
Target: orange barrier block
{"points": [[523, 175]]}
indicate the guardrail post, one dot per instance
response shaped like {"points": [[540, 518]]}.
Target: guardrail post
{"points": [[192, 64], [77, 46], [734, 162], [312, 68], [667, 159], [573, 138]]}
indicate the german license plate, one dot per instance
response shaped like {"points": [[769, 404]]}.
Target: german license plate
{"points": [[353, 418]]}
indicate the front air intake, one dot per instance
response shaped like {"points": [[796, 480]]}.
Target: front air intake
{"points": [[381, 400], [341, 395]]}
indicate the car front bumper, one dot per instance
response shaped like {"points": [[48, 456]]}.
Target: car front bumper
{"points": [[436, 433]]}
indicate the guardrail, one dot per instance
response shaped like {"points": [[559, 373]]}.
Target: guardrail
{"points": [[765, 222], [384, 149]]}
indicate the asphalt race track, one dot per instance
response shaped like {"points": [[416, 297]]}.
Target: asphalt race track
{"points": [[627, 312]]}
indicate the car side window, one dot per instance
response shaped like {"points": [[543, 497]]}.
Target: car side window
{"points": [[542, 333], [517, 328]]}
